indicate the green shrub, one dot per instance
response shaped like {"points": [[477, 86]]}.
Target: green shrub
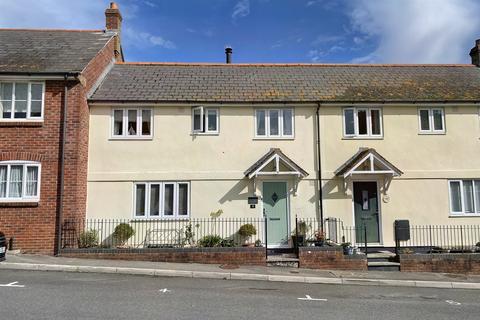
{"points": [[123, 232], [212, 240], [247, 230], [88, 239]]}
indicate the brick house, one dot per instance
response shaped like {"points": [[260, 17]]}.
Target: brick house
{"points": [[45, 79]]}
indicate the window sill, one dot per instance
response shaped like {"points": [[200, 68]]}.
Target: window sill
{"points": [[464, 215], [149, 219], [439, 133], [205, 134], [130, 138], [273, 138], [25, 123], [362, 138], [19, 204]]}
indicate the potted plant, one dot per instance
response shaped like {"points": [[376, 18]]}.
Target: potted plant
{"points": [[298, 236], [122, 233], [246, 232], [319, 238], [347, 248]]}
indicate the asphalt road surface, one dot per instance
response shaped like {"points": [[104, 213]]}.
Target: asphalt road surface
{"points": [[57, 295]]}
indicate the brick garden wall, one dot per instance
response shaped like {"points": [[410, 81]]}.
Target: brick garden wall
{"points": [[442, 262], [240, 256], [330, 258]]}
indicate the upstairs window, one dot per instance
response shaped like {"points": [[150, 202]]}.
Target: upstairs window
{"points": [[162, 200], [431, 120], [362, 122], [21, 100], [19, 181], [465, 197], [132, 123], [274, 123], [205, 120]]}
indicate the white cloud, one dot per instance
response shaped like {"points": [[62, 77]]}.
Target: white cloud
{"points": [[417, 31], [145, 39], [241, 9]]}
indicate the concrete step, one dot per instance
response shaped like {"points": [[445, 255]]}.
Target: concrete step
{"points": [[283, 260], [383, 266]]}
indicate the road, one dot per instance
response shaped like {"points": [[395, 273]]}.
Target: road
{"points": [[57, 295]]}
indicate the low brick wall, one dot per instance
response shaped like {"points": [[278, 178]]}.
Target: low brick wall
{"points": [[330, 258], [241, 256], [441, 262]]}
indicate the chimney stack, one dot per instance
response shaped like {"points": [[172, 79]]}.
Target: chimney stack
{"points": [[113, 23], [475, 53], [228, 53]]}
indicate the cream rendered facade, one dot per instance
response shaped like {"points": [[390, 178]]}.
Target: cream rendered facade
{"points": [[428, 162], [213, 164]]}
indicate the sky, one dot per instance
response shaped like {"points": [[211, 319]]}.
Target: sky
{"points": [[270, 31]]}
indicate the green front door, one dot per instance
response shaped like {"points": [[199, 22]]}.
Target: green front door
{"points": [[365, 200], [275, 208]]}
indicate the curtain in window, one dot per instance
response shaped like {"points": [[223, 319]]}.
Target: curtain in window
{"points": [[168, 201], [260, 123], [437, 119], [3, 181], [274, 127], [32, 180], [287, 122], [16, 173], [6, 90], [468, 195], [118, 122], [132, 122]]}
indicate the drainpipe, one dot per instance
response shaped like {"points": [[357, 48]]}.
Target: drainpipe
{"points": [[62, 166], [319, 168]]}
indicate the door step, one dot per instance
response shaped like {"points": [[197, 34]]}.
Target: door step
{"points": [[283, 260], [383, 266]]}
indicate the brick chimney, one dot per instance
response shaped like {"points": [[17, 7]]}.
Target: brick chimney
{"points": [[475, 53], [113, 23]]}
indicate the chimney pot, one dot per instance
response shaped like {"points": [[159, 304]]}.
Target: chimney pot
{"points": [[113, 18], [228, 54], [113, 5], [475, 53]]}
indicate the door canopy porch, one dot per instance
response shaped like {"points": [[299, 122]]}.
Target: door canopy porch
{"points": [[367, 161], [275, 163]]}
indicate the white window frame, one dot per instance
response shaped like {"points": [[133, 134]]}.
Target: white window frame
{"points": [[204, 121], [430, 121], [125, 135], [281, 134], [176, 215], [475, 204], [24, 197], [356, 134], [29, 102]]}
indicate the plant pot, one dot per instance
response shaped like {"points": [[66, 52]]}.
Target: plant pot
{"points": [[319, 243], [348, 251], [298, 241]]}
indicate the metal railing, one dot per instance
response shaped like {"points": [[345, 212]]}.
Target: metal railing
{"points": [[128, 233], [335, 230]]}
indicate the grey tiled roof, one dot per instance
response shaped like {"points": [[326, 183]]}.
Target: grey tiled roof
{"points": [[49, 51], [289, 83]]}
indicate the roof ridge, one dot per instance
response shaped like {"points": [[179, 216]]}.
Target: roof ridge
{"points": [[63, 30], [287, 64]]}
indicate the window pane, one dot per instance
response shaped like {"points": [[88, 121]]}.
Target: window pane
{"points": [[468, 195], [118, 122], [6, 90], [274, 117], [16, 176], [287, 122], [362, 122], [6, 109], [146, 118], [437, 119], [477, 195], [375, 118], [155, 200], [21, 91], [32, 180], [20, 109], [132, 122], [36, 93], [260, 122], [197, 119], [455, 196], [3, 181], [349, 121], [168, 199], [182, 199], [36, 109], [212, 120], [424, 120], [140, 200]]}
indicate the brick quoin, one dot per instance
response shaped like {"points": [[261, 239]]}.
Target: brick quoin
{"points": [[34, 226]]}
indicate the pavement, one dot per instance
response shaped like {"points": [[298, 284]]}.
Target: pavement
{"points": [[66, 295], [228, 272]]}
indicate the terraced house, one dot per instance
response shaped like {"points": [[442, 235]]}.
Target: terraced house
{"points": [[366, 144]]}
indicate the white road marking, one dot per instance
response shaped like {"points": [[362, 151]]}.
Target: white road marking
{"points": [[165, 290], [455, 303], [13, 284], [308, 298]]}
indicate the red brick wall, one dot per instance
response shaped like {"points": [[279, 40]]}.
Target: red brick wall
{"points": [[330, 258], [442, 262], [34, 225], [240, 256]]}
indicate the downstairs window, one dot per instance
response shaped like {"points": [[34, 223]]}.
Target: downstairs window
{"points": [[162, 200], [19, 181]]}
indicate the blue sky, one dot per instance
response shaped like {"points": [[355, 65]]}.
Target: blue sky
{"points": [[318, 31]]}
